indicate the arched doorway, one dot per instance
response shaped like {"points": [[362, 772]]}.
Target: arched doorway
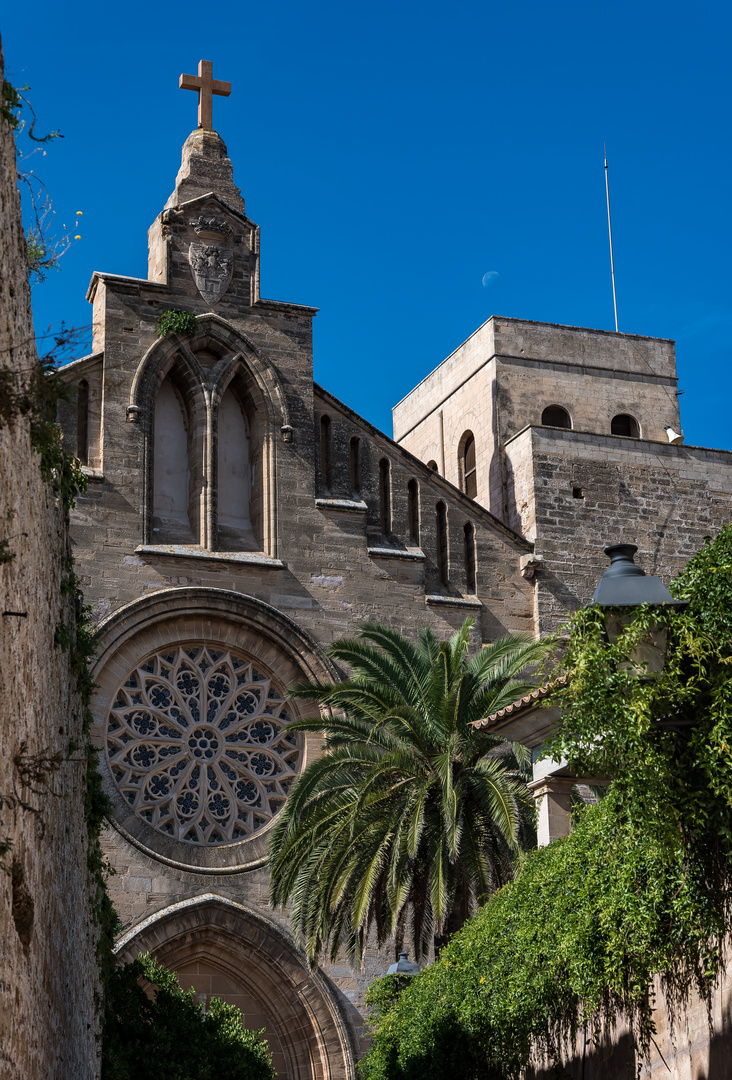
{"points": [[226, 950]]}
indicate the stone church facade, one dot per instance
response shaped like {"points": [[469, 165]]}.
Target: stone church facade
{"points": [[239, 518]]}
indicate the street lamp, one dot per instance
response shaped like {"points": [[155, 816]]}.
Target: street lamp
{"points": [[625, 585], [403, 966]]}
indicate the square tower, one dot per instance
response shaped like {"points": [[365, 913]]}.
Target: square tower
{"points": [[513, 373]]}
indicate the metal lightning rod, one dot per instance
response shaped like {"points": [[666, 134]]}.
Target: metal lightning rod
{"points": [[610, 232]]}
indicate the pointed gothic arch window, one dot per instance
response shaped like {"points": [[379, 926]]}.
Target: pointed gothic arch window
{"points": [[466, 465], [234, 475], [171, 471], [181, 387]]}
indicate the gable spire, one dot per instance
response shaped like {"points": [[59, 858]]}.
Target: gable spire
{"points": [[206, 86]]}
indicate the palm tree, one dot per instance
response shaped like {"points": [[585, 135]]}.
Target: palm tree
{"points": [[410, 817]]}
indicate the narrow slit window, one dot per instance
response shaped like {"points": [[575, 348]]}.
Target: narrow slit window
{"points": [[413, 510], [468, 474], [470, 576], [443, 557], [355, 464], [82, 422], [385, 496], [326, 463]]}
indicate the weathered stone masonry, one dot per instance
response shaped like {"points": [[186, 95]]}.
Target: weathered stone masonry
{"points": [[207, 554], [48, 970], [331, 536]]}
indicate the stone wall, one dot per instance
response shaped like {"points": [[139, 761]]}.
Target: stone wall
{"points": [[573, 493], [691, 1043], [48, 974], [333, 543]]}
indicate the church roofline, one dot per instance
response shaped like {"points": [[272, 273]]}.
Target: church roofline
{"points": [[81, 362], [211, 195], [426, 471], [285, 306], [529, 322], [120, 279], [626, 441], [134, 283]]}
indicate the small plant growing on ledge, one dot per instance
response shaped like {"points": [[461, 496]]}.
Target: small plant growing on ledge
{"points": [[177, 321]]}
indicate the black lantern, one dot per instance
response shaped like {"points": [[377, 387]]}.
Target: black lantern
{"points": [[403, 966], [625, 585]]}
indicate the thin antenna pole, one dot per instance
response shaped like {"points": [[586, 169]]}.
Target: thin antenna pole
{"points": [[610, 232]]}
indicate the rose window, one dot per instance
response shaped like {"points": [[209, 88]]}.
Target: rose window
{"points": [[198, 745]]}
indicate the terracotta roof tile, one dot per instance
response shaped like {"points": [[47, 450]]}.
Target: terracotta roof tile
{"points": [[528, 701]]}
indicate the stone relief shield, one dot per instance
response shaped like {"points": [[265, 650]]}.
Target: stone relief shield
{"points": [[212, 267], [211, 258]]}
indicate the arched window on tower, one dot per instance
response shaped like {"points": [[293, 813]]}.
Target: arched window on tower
{"points": [[470, 576], [432, 465], [326, 459], [443, 554], [556, 416], [413, 512], [354, 461], [82, 422], [385, 496], [624, 424], [466, 465], [171, 473], [234, 476]]}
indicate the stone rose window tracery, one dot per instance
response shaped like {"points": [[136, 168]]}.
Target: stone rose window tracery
{"points": [[198, 745]]}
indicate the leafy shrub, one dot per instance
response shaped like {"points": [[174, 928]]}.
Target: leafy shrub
{"points": [[641, 887], [177, 321], [169, 1037]]}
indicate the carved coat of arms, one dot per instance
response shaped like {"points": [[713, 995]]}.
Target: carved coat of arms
{"points": [[211, 258]]}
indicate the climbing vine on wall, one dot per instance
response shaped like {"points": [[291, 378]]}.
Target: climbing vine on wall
{"points": [[641, 887]]}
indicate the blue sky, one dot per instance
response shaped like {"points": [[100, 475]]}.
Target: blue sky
{"points": [[394, 154]]}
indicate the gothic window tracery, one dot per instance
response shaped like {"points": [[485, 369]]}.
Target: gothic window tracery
{"points": [[198, 745]]}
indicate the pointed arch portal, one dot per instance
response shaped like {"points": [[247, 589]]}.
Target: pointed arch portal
{"points": [[224, 949]]}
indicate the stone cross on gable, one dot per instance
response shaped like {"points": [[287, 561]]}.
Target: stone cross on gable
{"points": [[207, 86]]}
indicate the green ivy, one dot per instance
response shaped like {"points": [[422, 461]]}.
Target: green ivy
{"points": [[167, 1035], [642, 886], [79, 639], [11, 104], [37, 398], [177, 321]]}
